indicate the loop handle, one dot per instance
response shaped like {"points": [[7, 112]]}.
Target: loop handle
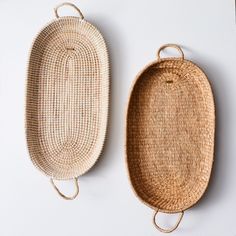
{"points": [[170, 46], [64, 196], [167, 230], [68, 4]]}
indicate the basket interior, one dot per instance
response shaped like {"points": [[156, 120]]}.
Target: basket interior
{"points": [[67, 98], [170, 135]]}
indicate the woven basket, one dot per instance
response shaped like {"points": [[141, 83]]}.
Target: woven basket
{"points": [[170, 135], [67, 98]]}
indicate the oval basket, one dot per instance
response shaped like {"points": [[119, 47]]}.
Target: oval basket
{"points": [[67, 98], [170, 128]]}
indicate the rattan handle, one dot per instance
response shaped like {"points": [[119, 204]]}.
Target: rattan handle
{"points": [[63, 195], [167, 230], [170, 46], [68, 4]]}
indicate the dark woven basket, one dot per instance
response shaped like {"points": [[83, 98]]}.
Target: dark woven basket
{"points": [[170, 135]]}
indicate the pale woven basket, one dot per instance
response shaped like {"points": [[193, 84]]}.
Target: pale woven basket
{"points": [[170, 128], [67, 98]]}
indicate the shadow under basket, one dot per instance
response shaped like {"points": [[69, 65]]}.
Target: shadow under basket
{"points": [[170, 130], [67, 98]]}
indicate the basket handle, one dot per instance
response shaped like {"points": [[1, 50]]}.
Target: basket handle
{"points": [[170, 46], [167, 230], [68, 4], [63, 195]]}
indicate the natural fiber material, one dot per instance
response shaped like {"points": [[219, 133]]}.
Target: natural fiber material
{"points": [[170, 134], [67, 97]]}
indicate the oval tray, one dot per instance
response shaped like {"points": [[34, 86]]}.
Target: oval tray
{"points": [[67, 97], [170, 134]]}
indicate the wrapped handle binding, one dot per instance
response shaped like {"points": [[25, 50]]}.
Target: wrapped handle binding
{"points": [[170, 46], [167, 230], [68, 4], [63, 195]]}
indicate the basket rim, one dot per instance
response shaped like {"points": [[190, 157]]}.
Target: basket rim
{"points": [[137, 77]]}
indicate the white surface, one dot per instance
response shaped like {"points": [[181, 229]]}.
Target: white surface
{"points": [[133, 30]]}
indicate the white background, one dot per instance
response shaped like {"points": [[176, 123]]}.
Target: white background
{"points": [[133, 30]]}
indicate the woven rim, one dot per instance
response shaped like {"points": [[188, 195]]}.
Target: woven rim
{"points": [[67, 97], [170, 126]]}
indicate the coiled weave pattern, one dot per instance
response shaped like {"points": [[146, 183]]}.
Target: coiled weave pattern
{"points": [[67, 98]]}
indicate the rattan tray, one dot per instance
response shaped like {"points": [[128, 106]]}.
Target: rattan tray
{"points": [[67, 98], [170, 128]]}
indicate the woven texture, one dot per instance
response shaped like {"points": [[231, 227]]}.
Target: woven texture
{"points": [[67, 98], [170, 134]]}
